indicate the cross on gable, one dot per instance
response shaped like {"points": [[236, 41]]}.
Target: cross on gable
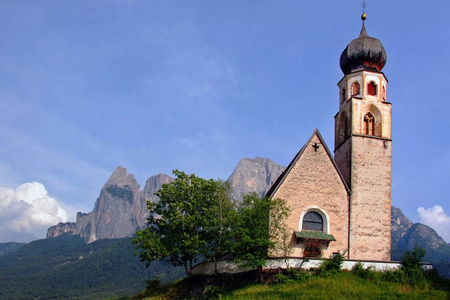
{"points": [[315, 146]]}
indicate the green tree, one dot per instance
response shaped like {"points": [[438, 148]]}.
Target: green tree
{"points": [[412, 266], [220, 212], [186, 222], [255, 230], [278, 231]]}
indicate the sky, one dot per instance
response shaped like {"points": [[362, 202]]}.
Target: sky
{"points": [[87, 86]]}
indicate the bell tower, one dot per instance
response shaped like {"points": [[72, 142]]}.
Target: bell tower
{"points": [[363, 146]]}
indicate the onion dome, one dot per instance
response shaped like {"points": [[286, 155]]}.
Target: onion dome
{"points": [[363, 53]]}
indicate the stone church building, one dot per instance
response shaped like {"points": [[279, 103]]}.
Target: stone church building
{"points": [[343, 203]]}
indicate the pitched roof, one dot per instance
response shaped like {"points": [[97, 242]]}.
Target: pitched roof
{"points": [[286, 172]]}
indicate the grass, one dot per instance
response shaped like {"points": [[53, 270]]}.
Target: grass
{"points": [[342, 285]]}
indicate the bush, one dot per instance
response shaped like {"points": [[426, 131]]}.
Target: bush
{"points": [[397, 276], [212, 292], [362, 272], [153, 283], [412, 266], [297, 274], [280, 278], [331, 266]]}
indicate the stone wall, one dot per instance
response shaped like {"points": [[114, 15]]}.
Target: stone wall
{"points": [[313, 183], [371, 199]]}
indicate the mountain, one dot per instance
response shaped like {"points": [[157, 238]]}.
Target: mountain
{"points": [[61, 228], [399, 226], [67, 267], [10, 247], [254, 176], [119, 211], [121, 208], [406, 235]]}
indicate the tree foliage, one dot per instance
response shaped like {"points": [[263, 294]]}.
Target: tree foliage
{"points": [[278, 231], [258, 225], [190, 219], [220, 215], [412, 266], [196, 217]]}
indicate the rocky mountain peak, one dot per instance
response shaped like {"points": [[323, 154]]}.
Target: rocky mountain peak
{"points": [[119, 211], [121, 178], [399, 224], [254, 175], [61, 228], [154, 184]]}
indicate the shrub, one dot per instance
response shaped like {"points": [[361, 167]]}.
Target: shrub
{"points": [[331, 266], [365, 273], [153, 284], [212, 292], [394, 276], [297, 274], [412, 266], [280, 278]]}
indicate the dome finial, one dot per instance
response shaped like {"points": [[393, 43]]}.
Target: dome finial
{"points": [[363, 18], [363, 53]]}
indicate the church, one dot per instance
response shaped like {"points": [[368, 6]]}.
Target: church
{"points": [[342, 203]]}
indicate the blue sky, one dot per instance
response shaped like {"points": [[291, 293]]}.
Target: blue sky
{"points": [[86, 86]]}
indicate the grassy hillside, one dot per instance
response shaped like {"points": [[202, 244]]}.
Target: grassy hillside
{"points": [[341, 285], [66, 267]]}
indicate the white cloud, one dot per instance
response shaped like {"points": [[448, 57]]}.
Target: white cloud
{"points": [[27, 212], [437, 219]]}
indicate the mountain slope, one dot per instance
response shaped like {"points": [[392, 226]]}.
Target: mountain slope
{"points": [[66, 266], [10, 247], [406, 235]]}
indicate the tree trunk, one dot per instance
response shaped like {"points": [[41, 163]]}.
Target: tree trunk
{"points": [[215, 266], [190, 267], [261, 279], [186, 267]]}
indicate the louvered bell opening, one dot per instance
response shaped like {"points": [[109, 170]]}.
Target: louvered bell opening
{"points": [[312, 221]]}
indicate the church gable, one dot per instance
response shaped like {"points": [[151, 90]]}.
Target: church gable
{"points": [[313, 187]]}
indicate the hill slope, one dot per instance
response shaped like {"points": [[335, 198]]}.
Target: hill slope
{"points": [[67, 267], [299, 285], [11, 247]]}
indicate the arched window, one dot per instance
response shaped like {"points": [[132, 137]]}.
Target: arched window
{"points": [[342, 95], [369, 124], [384, 93], [356, 88], [372, 88], [312, 221], [342, 133]]}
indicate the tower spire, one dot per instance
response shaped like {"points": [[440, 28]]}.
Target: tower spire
{"points": [[363, 32], [364, 16]]}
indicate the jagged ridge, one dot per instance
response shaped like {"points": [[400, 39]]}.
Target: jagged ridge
{"points": [[121, 210]]}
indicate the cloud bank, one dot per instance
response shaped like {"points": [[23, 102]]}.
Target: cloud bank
{"points": [[437, 219], [27, 212]]}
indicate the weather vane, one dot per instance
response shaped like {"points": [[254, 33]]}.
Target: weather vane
{"points": [[364, 5]]}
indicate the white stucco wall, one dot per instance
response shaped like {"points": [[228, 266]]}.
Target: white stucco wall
{"points": [[229, 267]]}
